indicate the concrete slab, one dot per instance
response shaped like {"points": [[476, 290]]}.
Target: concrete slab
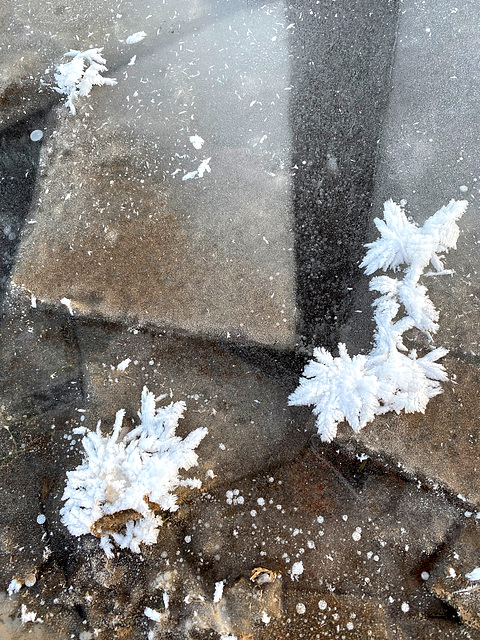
{"points": [[118, 230]]}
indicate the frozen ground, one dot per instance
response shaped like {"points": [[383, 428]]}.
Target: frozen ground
{"points": [[120, 245]]}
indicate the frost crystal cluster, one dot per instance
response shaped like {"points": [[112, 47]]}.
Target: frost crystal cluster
{"points": [[77, 77], [389, 378], [124, 481]]}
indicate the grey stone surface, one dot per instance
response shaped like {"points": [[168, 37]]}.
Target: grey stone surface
{"points": [[124, 237]]}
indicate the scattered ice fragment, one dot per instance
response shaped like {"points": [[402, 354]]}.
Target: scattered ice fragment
{"points": [[297, 570], [33, 301], [322, 605], [229, 637], [123, 364], [405, 607], [166, 599], [265, 617], [153, 614], [188, 539], [197, 141], [14, 587], [36, 135], [320, 519], [41, 518], [300, 608], [68, 303], [200, 172], [425, 575], [473, 575], [136, 37], [452, 573], [261, 501], [464, 188], [217, 596], [350, 625], [462, 498], [132, 61]]}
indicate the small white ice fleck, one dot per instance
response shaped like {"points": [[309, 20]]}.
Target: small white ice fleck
{"points": [[132, 61], [357, 534], [68, 303], [197, 141], [322, 605], [123, 364], [425, 575], [301, 608], [136, 37], [405, 607], [36, 135], [297, 570], [463, 188], [41, 518]]}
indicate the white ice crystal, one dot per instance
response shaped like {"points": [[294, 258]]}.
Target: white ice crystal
{"points": [[136, 37], [123, 481], [76, 78], [389, 378]]}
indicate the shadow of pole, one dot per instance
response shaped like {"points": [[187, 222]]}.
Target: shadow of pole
{"points": [[342, 55]]}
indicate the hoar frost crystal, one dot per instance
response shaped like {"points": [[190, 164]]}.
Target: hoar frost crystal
{"points": [[389, 378], [123, 481]]}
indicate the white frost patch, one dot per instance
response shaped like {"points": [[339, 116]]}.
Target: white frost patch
{"points": [[357, 534], [28, 616], [200, 172], [297, 570], [153, 614], [68, 303], [134, 475], [197, 141], [229, 637], [136, 37], [33, 301], [405, 607], [389, 378], [265, 618], [322, 605], [123, 364], [300, 608], [14, 587], [132, 61], [473, 575], [218, 594], [76, 78]]}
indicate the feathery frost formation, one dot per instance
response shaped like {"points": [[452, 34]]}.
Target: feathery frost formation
{"points": [[389, 378], [123, 481], [75, 79]]}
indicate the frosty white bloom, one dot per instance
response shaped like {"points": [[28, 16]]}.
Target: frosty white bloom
{"points": [[340, 388], [14, 587], [122, 482], [388, 378], [76, 78]]}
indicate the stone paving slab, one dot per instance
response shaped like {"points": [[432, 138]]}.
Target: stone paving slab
{"points": [[428, 154], [124, 237]]}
